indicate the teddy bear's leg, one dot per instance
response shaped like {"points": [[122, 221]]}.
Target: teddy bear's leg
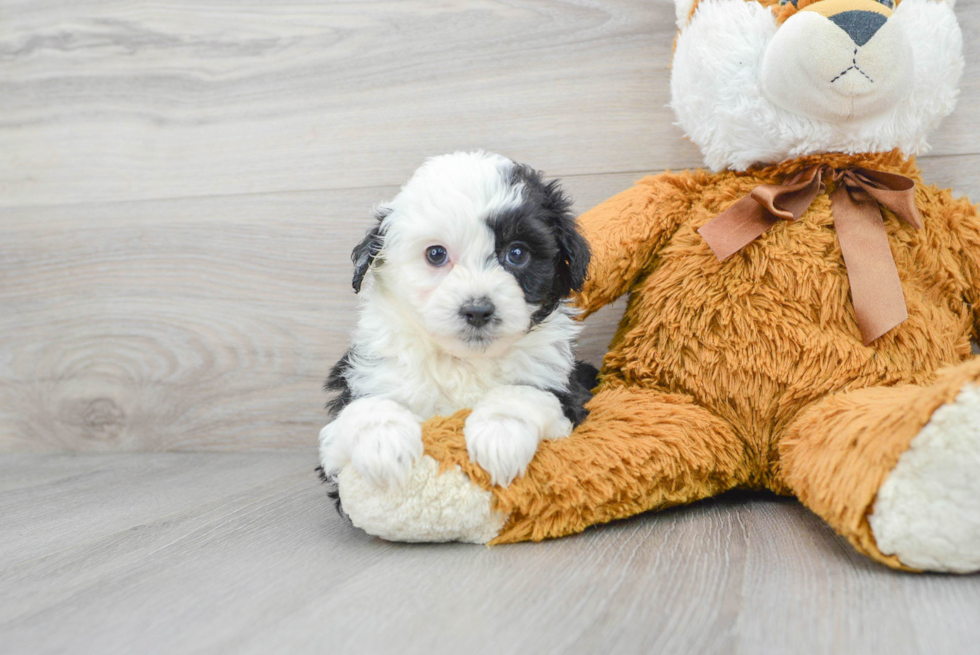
{"points": [[638, 450], [895, 470]]}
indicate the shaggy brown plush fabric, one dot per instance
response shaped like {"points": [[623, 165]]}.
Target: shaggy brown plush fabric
{"points": [[749, 372]]}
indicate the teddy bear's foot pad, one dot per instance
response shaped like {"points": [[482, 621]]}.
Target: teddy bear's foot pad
{"points": [[927, 512], [430, 507]]}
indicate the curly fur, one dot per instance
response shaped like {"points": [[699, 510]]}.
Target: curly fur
{"points": [[414, 347]]}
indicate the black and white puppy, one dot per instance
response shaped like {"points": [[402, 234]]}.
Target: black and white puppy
{"points": [[461, 285]]}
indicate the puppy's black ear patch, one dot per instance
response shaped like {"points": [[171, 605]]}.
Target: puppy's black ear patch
{"points": [[573, 249], [367, 251]]}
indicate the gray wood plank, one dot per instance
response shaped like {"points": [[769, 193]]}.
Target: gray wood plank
{"points": [[271, 568], [49, 504], [176, 325], [106, 101]]}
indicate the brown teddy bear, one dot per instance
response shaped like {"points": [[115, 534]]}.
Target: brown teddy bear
{"points": [[799, 317]]}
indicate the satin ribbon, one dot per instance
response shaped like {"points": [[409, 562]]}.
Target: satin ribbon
{"points": [[856, 202]]}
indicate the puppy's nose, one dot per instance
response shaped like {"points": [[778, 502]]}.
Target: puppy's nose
{"points": [[859, 25], [477, 312]]}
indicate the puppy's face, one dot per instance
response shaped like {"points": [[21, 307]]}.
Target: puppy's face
{"points": [[475, 250]]}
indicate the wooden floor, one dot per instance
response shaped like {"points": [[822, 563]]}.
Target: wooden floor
{"points": [[241, 553], [180, 187]]}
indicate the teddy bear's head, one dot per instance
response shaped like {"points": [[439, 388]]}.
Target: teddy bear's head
{"points": [[761, 81]]}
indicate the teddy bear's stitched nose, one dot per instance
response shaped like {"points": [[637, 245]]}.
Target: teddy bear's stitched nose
{"points": [[859, 25]]}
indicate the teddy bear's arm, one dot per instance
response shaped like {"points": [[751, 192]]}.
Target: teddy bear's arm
{"points": [[965, 219], [625, 232]]}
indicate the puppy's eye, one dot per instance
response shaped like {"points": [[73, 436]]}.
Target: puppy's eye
{"points": [[436, 255], [518, 255]]}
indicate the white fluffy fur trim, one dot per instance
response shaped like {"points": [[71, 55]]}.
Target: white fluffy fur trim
{"points": [[428, 508], [717, 97], [928, 510], [683, 9]]}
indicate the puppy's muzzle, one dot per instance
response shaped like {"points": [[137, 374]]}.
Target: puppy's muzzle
{"points": [[478, 312]]}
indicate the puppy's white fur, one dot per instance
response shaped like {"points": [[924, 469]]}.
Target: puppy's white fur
{"points": [[411, 358]]}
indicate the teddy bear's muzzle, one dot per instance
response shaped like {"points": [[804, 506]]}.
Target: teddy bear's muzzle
{"points": [[838, 60]]}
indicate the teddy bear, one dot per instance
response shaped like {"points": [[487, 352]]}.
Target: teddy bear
{"points": [[800, 311]]}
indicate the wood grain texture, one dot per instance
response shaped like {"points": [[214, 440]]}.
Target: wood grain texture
{"points": [[106, 101], [205, 553], [181, 184]]}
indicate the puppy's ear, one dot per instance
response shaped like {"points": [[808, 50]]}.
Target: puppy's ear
{"points": [[367, 250], [573, 249]]}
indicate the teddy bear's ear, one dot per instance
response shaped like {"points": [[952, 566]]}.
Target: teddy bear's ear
{"points": [[684, 9]]}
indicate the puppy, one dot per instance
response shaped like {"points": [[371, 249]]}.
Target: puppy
{"points": [[461, 287]]}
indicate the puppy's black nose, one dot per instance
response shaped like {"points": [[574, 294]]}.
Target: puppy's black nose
{"points": [[859, 25], [477, 312]]}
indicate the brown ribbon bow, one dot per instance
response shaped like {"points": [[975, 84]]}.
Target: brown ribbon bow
{"points": [[876, 290]]}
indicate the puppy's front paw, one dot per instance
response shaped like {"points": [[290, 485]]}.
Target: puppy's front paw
{"points": [[380, 439], [502, 445], [385, 453]]}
